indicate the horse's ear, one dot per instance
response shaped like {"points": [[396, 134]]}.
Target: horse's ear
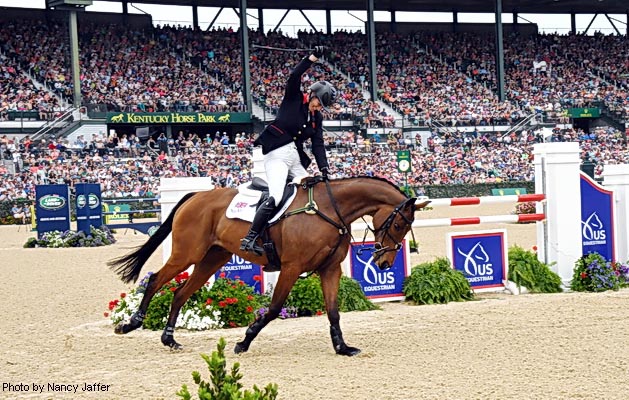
{"points": [[410, 202], [422, 205]]}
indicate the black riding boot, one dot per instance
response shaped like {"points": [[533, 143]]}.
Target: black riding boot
{"points": [[248, 243]]}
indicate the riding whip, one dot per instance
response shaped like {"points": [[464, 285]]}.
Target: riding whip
{"points": [[258, 46]]}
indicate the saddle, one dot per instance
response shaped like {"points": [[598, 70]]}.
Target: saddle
{"points": [[249, 198]]}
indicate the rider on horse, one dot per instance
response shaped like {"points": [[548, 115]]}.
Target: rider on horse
{"points": [[299, 118]]}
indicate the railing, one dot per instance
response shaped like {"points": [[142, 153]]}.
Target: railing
{"points": [[521, 124], [52, 126]]}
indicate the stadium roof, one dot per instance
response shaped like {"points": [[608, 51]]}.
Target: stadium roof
{"points": [[468, 6]]}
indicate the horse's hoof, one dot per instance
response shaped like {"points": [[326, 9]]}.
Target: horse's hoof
{"points": [[121, 328], [175, 346], [172, 344], [348, 351], [240, 348]]}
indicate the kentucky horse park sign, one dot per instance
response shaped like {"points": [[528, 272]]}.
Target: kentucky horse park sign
{"points": [[177, 118]]}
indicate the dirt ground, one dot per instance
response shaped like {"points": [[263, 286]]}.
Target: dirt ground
{"points": [[560, 346]]}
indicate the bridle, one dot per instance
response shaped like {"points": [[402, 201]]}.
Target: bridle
{"points": [[378, 248]]}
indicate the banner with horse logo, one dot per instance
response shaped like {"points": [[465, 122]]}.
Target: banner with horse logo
{"points": [[597, 219], [481, 256], [377, 284], [248, 272]]}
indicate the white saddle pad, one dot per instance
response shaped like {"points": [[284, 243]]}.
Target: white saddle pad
{"points": [[243, 205]]}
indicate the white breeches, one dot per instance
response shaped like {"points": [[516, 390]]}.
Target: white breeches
{"points": [[277, 164]]}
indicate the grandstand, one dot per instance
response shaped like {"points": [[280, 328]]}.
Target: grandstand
{"points": [[171, 101]]}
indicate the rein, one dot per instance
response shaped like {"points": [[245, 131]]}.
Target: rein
{"points": [[312, 208], [378, 248]]}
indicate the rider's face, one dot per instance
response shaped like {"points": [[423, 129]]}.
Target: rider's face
{"points": [[314, 105]]}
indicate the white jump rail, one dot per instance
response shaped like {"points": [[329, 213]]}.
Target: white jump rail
{"points": [[487, 219], [470, 201]]}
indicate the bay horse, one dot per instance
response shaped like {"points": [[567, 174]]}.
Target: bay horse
{"points": [[315, 241]]}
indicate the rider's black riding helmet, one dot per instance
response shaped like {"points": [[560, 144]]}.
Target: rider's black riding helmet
{"points": [[325, 92]]}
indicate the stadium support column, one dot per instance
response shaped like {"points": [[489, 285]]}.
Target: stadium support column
{"points": [[261, 20], [244, 43], [573, 23], [328, 21], [371, 32], [393, 27], [74, 59], [455, 21], [195, 17], [500, 62]]}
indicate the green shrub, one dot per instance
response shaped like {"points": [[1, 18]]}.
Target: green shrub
{"points": [[436, 282], [224, 386], [306, 296], [236, 301], [526, 270], [352, 298], [592, 273]]}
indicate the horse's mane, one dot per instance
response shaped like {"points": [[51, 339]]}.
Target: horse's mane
{"points": [[373, 178]]}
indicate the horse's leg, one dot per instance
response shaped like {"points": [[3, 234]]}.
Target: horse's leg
{"points": [[155, 283], [288, 277], [330, 278], [214, 259]]}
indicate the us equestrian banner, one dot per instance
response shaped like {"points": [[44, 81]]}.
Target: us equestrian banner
{"points": [[376, 283], [249, 273], [481, 256], [597, 219], [178, 118]]}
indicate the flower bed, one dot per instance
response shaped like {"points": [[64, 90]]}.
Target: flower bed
{"points": [[97, 237]]}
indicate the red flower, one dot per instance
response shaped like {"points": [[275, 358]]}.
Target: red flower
{"points": [[208, 301], [583, 275], [249, 297], [257, 278], [222, 304], [172, 289], [111, 306], [106, 314], [249, 309], [232, 324], [221, 275], [319, 312], [123, 295], [534, 248]]}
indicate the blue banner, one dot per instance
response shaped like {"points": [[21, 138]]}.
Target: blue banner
{"points": [[481, 257], [239, 268], [52, 208], [597, 219], [89, 211], [377, 283]]}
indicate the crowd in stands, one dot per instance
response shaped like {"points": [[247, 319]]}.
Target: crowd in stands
{"points": [[126, 171], [428, 77]]}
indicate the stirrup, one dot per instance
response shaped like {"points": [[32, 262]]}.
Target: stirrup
{"points": [[250, 245]]}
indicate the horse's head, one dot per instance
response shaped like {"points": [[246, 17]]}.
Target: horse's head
{"points": [[390, 227]]}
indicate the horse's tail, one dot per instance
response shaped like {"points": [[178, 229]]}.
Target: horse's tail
{"points": [[130, 265]]}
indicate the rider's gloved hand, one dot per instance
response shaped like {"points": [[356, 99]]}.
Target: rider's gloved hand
{"points": [[318, 51], [324, 172]]}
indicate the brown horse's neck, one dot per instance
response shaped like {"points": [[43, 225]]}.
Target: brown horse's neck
{"points": [[356, 197]]}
